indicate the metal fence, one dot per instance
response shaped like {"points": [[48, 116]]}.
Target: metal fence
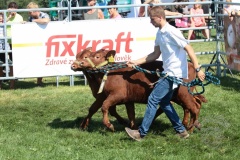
{"points": [[63, 11]]}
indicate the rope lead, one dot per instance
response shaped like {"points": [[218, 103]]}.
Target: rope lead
{"points": [[196, 82]]}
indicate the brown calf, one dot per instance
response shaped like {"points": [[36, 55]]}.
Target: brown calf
{"points": [[99, 98], [127, 85]]}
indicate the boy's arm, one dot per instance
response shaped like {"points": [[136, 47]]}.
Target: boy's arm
{"points": [[193, 57], [149, 58], [41, 20]]}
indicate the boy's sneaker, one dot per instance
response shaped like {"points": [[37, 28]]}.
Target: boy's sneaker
{"points": [[183, 134], [134, 134]]}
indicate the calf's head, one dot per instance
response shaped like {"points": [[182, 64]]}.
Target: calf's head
{"points": [[102, 57], [81, 61]]}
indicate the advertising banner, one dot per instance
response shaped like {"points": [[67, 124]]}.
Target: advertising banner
{"points": [[232, 42], [49, 50]]}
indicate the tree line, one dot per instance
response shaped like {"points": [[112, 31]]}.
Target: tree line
{"points": [[22, 4]]}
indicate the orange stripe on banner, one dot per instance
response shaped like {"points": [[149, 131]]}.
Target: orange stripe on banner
{"points": [[27, 45], [145, 38]]}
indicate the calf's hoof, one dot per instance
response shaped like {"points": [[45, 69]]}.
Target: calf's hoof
{"points": [[83, 125], [190, 130], [197, 125], [111, 127]]}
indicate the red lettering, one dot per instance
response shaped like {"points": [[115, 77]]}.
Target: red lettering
{"points": [[110, 44], [68, 48], [50, 43], [53, 44], [126, 40], [95, 44], [81, 47]]}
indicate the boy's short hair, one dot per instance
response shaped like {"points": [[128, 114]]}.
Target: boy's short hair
{"points": [[32, 5], [157, 11], [13, 5]]}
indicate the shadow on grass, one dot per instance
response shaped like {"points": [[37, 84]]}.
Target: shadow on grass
{"points": [[157, 126], [231, 82]]}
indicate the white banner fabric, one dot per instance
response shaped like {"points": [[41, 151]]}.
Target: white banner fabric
{"points": [[49, 50]]}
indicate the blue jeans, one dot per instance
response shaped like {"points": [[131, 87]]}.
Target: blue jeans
{"points": [[161, 95]]}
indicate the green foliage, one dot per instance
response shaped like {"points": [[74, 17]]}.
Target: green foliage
{"points": [[23, 3]]}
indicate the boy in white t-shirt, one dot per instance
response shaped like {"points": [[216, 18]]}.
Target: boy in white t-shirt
{"points": [[173, 46]]}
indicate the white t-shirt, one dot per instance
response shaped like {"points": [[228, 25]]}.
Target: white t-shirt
{"points": [[172, 43]]}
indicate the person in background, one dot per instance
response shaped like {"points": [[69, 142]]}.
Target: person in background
{"points": [[173, 46], [113, 12], [2, 46], [93, 13], [142, 8], [12, 17], [40, 18], [197, 21], [181, 8], [228, 9], [151, 2], [206, 8], [37, 16], [2, 41], [134, 11]]}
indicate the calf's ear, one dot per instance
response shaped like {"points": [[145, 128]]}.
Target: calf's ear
{"points": [[110, 53], [110, 56], [89, 49]]}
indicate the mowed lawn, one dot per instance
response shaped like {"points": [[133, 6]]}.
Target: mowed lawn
{"points": [[43, 124]]}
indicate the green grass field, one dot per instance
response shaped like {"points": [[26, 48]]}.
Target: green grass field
{"points": [[42, 124]]}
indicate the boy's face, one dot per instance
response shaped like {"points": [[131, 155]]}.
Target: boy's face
{"points": [[92, 2], [33, 14], [12, 13]]}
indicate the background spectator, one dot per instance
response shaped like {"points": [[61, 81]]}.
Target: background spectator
{"points": [[206, 8], [142, 9], [13, 17], [228, 9], [179, 8], [166, 10], [37, 16], [2, 46], [113, 12], [197, 21], [40, 18], [134, 11], [2, 41], [93, 13]]}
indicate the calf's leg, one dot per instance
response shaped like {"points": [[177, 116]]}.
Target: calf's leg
{"points": [[92, 110], [111, 100], [113, 112], [131, 115]]}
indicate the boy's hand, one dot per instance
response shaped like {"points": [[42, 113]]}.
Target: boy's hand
{"points": [[201, 75], [131, 64]]}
